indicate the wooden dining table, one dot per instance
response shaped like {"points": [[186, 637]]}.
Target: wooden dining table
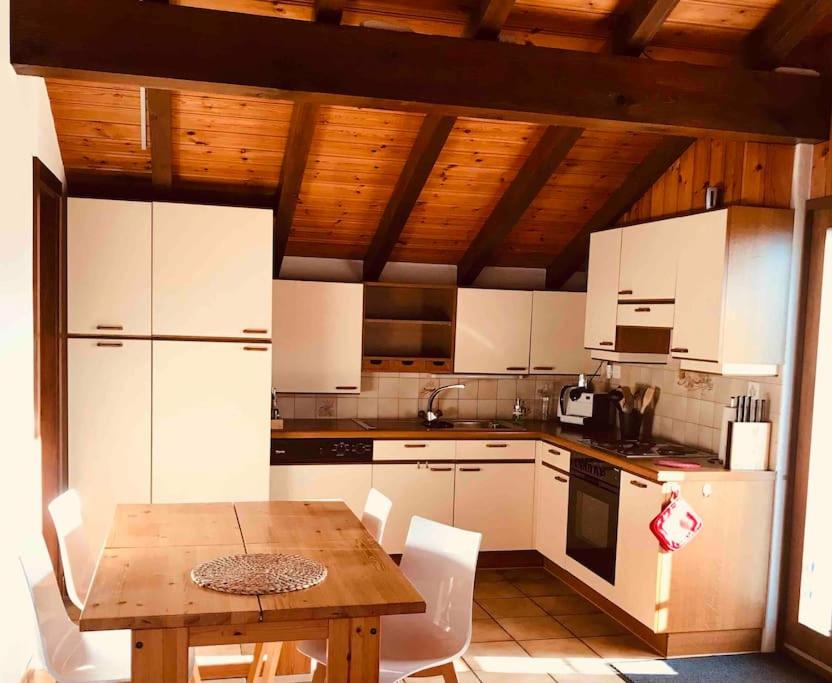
{"points": [[143, 583]]}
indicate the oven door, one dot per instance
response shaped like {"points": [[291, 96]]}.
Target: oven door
{"points": [[592, 524]]}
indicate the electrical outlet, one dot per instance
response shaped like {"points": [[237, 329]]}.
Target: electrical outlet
{"points": [[608, 370], [616, 371], [754, 389]]}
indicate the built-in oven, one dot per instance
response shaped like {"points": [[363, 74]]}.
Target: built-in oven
{"points": [[592, 518]]}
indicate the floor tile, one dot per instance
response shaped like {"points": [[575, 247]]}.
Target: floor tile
{"points": [[488, 631], [589, 625], [496, 589], [479, 612], [550, 586], [507, 657], [511, 607], [533, 628], [620, 648], [525, 574], [500, 677], [568, 658], [486, 575], [560, 605]]}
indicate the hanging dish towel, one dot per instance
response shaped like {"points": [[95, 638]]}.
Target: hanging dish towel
{"points": [[677, 524]]}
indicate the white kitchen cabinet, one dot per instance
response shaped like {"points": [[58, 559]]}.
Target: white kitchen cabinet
{"points": [[557, 340], [495, 449], [493, 329], [212, 271], [551, 507], [108, 395], [637, 559], [424, 488], [414, 449], [602, 289], [350, 483], [649, 253], [108, 267], [496, 499], [211, 429], [317, 342]]}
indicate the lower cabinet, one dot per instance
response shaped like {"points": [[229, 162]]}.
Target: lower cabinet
{"points": [[425, 489], [496, 499], [350, 483], [552, 503]]}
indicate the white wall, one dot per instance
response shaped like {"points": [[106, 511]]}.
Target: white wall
{"points": [[26, 129]]}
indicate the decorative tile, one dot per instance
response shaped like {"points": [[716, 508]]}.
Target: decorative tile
{"points": [[325, 407]]}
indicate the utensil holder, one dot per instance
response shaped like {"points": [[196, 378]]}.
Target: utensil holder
{"points": [[749, 445], [629, 424]]}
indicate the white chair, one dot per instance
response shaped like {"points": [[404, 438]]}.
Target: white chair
{"points": [[77, 556], [440, 561], [376, 513]]}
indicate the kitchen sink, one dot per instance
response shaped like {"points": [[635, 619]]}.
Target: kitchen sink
{"points": [[443, 425], [488, 425]]}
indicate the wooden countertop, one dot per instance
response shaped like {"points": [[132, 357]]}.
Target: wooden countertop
{"points": [[550, 432]]}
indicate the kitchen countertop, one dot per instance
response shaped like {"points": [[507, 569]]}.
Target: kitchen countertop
{"points": [[551, 431]]}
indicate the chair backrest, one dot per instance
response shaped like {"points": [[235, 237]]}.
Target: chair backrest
{"points": [[57, 634], [376, 513], [441, 562], [76, 554]]}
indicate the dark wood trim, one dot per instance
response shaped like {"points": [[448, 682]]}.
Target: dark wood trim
{"points": [[487, 22], [548, 154], [640, 180], [295, 156], [782, 30], [638, 27], [429, 142], [329, 11], [819, 203], [174, 47], [161, 144]]}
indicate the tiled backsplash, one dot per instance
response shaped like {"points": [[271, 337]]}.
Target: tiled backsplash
{"points": [[386, 395]]}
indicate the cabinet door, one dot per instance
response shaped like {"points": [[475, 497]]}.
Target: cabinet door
{"points": [[424, 489], [602, 289], [637, 560], [108, 396], [648, 260], [557, 344], [317, 342], [493, 329], [700, 282], [211, 429], [496, 499], [212, 271], [108, 267], [550, 513], [350, 483]]}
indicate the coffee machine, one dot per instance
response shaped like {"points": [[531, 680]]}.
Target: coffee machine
{"points": [[579, 405]]}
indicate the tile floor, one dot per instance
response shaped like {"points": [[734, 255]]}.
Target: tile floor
{"points": [[529, 627]]}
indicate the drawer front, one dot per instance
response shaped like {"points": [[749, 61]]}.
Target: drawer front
{"points": [[425, 449], [495, 449], [554, 456], [645, 315]]}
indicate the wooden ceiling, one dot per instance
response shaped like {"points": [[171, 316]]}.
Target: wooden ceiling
{"points": [[383, 185]]}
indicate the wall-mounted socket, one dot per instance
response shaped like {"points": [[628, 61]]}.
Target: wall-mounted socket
{"points": [[613, 371]]}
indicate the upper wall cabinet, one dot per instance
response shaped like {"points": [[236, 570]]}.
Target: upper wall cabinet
{"points": [[602, 289], [558, 332], [317, 341], [108, 267], [649, 254], [492, 331], [212, 271]]}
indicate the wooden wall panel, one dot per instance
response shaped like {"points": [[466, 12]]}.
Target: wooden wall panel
{"points": [[821, 171]]}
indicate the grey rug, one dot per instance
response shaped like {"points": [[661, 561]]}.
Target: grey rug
{"points": [[756, 668]]}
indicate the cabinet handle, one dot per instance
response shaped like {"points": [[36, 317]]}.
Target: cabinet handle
{"points": [[440, 469], [605, 343], [678, 349], [642, 309], [638, 484], [544, 367], [255, 348], [415, 445], [562, 479], [554, 452], [345, 388], [496, 445], [469, 469], [254, 330], [113, 344], [625, 291], [515, 367], [109, 327]]}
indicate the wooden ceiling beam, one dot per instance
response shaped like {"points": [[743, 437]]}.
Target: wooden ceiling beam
{"points": [[161, 139], [640, 25], [295, 156], [640, 179], [544, 160], [329, 11], [487, 22], [783, 29], [186, 48]]}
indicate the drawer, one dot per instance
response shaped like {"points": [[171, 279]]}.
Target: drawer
{"points": [[554, 456], [645, 315], [414, 449], [407, 365], [376, 364], [495, 449], [437, 365]]}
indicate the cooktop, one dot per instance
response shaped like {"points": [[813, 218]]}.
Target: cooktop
{"points": [[646, 449]]}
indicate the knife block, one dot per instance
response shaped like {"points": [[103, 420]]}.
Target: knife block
{"points": [[749, 445]]}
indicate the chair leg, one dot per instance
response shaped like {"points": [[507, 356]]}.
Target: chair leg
{"points": [[320, 674], [272, 651], [449, 673]]}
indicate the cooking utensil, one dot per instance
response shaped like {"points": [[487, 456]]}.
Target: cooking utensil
{"points": [[647, 399]]}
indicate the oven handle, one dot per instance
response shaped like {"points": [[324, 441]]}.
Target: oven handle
{"points": [[593, 481]]}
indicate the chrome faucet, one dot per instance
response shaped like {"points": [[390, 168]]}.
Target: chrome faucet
{"points": [[431, 417]]}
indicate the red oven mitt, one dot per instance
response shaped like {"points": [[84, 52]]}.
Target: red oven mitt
{"points": [[676, 525]]}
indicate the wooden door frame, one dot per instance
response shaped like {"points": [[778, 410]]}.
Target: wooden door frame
{"points": [[50, 392], [810, 648]]}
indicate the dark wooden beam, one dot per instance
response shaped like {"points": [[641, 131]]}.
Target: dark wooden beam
{"points": [[783, 29], [429, 142], [301, 130], [637, 28], [530, 179], [186, 48], [329, 11], [487, 22], [161, 143], [641, 178]]}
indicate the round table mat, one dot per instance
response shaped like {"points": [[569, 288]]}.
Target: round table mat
{"points": [[259, 573]]}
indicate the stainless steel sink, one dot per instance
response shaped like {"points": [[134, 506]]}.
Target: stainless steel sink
{"points": [[486, 425], [446, 425]]}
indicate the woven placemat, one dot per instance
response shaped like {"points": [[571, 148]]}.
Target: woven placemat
{"points": [[258, 574]]}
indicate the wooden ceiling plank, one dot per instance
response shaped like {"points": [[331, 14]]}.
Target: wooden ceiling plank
{"points": [[637, 183], [329, 11], [298, 144], [487, 22], [640, 25], [311, 61], [547, 155], [782, 30], [161, 138]]}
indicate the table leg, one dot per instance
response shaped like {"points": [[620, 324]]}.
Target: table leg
{"points": [[160, 656], [353, 650]]}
